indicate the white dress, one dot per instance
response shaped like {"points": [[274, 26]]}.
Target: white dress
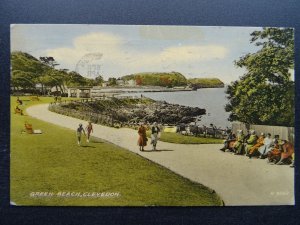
{"points": [[268, 142]]}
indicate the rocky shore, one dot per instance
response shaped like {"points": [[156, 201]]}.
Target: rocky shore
{"points": [[133, 110]]}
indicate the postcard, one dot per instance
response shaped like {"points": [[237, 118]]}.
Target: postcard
{"points": [[144, 115]]}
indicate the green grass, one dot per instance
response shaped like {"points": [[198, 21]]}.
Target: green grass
{"points": [[52, 162], [183, 139]]}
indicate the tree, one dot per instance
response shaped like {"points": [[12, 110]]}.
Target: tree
{"points": [[265, 93], [75, 79], [112, 81], [138, 80], [50, 61], [26, 70], [99, 80], [29, 72]]}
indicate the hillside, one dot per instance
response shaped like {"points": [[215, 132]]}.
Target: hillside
{"points": [[205, 83], [171, 79]]}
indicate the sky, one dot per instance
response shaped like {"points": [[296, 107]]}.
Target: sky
{"points": [[118, 50]]}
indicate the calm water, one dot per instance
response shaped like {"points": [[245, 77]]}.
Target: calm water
{"points": [[211, 99]]}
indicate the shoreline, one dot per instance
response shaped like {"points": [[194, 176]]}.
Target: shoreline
{"points": [[118, 90]]}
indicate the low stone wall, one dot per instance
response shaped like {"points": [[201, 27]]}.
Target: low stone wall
{"points": [[88, 116]]}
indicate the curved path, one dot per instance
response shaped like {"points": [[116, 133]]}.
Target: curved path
{"points": [[237, 179]]}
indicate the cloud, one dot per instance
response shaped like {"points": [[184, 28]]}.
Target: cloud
{"points": [[171, 32], [131, 56], [194, 53], [107, 44]]}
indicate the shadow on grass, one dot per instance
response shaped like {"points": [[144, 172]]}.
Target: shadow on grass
{"points": [[159, 150], [96, 140], [87, 146]]}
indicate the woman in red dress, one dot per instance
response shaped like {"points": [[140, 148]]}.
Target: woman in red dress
{"points": [[89, 130], [142, 141]]}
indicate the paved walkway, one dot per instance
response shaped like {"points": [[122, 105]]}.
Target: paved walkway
{"points": [[237, 179]]}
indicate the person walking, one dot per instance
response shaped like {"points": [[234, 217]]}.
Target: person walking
{"points": [[79, 132], [155, 134], [89, 130], [142, 141]]}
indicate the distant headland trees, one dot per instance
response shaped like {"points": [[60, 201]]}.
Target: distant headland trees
{"points": [[205, 83], [172, 79]]}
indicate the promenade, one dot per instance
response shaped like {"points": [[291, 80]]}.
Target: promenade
{"points": [[237, 179]]}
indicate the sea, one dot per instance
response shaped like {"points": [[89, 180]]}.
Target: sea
{"points": [[211, 99]]}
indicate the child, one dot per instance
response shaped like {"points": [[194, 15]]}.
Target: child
{"points": [[89, 130], [78, 132]]}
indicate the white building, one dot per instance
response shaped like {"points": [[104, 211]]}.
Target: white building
{"points": [[120, 82], [79, 92], [130, 83]]}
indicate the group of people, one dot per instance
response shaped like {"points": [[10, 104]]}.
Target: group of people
{"points": [[142, 132], [277, 151], [57, 98], [80, 130], [155, 135], [18, 106]]}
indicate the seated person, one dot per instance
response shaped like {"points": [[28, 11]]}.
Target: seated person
{"points": [[19, 101], [238, 145], [259, 143], [251, 141], [287, 152], [18, 110], [263, 150], [231, 138], [274, 153], [29, 129]]}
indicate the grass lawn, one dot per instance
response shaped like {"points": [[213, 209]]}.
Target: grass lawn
{"points": [[52, 162], [183, 139]]}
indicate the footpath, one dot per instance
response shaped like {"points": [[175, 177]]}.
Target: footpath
{"points": [[237, 179]]}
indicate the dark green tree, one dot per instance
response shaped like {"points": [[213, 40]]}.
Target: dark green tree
{"points": [[112, 81], [26, 70], [74, 79], [99, 80], [265, 93]]}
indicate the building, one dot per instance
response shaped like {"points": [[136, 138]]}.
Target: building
{"points": [[79, 92], [130, 83], [120, 82]]}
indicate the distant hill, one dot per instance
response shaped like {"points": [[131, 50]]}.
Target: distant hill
{"points": [[205, 83], [171, 79]]}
